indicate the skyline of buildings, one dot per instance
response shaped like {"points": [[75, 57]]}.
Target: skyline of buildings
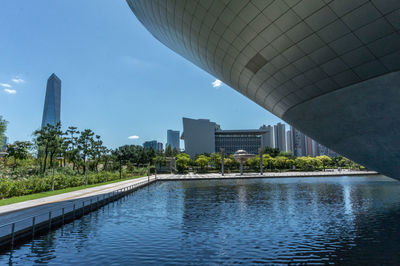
{"points": [[52, 102], [204, 136]]}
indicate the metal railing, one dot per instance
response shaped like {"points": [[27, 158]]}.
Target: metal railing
{"points": [[28, 226]]}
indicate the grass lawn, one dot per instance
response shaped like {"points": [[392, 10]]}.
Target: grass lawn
{"points": [[56, 192]]}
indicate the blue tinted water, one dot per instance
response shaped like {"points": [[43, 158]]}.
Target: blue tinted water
{"points": [[314, 220]]}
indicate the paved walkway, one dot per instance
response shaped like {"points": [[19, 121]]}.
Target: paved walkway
{"points": [[192, 176], [87, 192], [22, 213]]}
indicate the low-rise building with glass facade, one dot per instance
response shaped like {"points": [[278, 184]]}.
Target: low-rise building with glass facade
{"points": [[204, 136]]}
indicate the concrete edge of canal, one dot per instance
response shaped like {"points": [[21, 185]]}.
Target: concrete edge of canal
{"points": [[19, 231]]}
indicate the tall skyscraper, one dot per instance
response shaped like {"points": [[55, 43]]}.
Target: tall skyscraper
{"points": [[52, 102], [280, 136], [173, 139]]}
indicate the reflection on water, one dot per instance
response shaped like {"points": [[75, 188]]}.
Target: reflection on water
{"points": [[339, 219]]}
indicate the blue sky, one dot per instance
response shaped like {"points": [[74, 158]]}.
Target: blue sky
{"points": [[117, 79]]}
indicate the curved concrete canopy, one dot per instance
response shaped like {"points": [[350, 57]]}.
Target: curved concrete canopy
{"points": [[328, 67]]}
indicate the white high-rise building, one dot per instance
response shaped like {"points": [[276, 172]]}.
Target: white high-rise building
{"points": [[280, 136], [268, 137]]}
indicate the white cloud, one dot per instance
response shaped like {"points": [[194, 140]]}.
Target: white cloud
{"points": [[217, 83], [133, 137], [5, 85], [18, 80], [10, 91]]}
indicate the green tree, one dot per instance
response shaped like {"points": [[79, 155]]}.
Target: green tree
{"points": [[71, 146], [98, 150], [18, 150], [106, 158], [271, 151], [307, 163], [182, 162], [215, 160], [302, 163], [336, 161], [159, 160], [286, 154], [290, 163], [325, 160], [202, 161], [229, 163], [49, 141], [121, 155], [280, 162], [254, 163], [268, 161], [168, 151], [85, 144]]}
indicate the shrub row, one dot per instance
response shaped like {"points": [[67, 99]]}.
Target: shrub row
{"points": [[11, 188]]}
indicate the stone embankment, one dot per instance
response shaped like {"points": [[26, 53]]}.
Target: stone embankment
{"points": [[192, 176]]}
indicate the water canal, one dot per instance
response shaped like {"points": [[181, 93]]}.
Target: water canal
{"points": [[330, 219]]}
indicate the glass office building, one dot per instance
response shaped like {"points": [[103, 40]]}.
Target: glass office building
{"points": [[173, 139], [52, 102]]}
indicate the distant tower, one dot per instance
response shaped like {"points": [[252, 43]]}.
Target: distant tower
{"points": [[52, 102]]}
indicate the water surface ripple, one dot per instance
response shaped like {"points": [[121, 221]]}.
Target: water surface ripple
{"points": [[351, 220]]}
